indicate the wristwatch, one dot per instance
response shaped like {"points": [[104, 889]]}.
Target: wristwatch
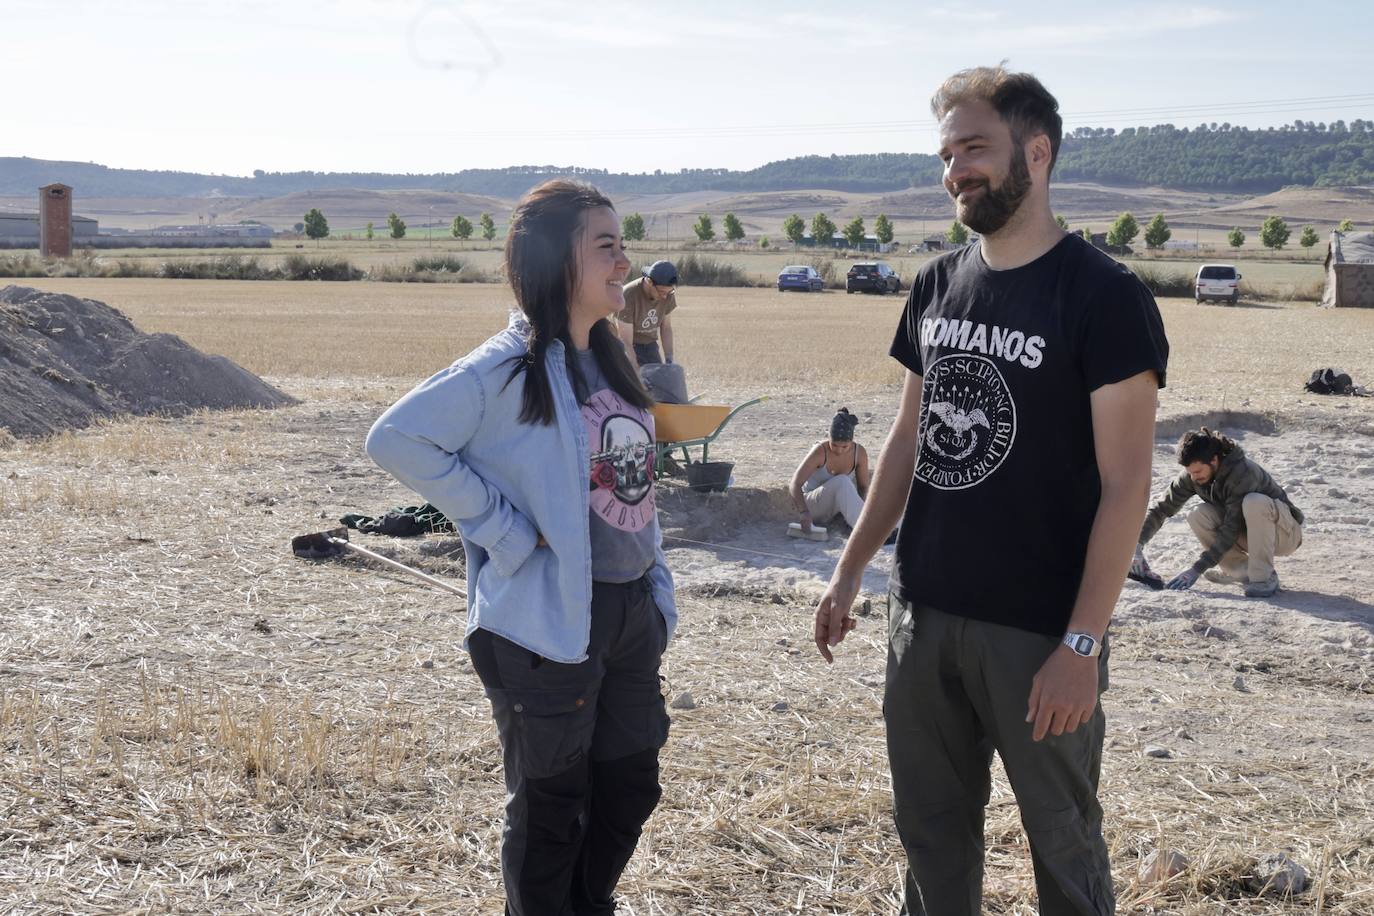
{"points": [[1084, 644]]}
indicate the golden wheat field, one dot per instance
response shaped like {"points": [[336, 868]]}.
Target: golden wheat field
{"points": [[193, 720]]}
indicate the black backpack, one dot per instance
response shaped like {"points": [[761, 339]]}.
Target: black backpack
{"points": [[1329, 381]]}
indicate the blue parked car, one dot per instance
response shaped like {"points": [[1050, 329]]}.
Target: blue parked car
{"points": [[800, 277]]}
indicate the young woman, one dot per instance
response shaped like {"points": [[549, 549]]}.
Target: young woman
{"points": [[539, 445], [832, 479]]}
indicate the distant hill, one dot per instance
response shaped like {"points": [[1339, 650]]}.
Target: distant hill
{"points": [[1216, 158]]}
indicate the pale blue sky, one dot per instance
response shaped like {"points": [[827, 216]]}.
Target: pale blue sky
{"points": [[441, 85]]}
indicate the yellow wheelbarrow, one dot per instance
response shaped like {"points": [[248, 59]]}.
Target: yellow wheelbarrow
{"points": [[690, 426]]}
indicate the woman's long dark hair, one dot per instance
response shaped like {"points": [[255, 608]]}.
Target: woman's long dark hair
{"points": [[541, 265]]}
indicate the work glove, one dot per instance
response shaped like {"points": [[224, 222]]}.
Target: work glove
{"points": [[1141, 572], [1183, 580]]}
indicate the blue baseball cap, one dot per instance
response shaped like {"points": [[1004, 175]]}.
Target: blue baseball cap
{"points": [[661, 273]]}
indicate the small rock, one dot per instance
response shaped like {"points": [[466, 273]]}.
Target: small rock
{"points": [[783, 642], [1183, 733], [262, 626], [1239, 684], [427, 663], [684, 701], [1154, 750], [1276, 873], [1161, 865], [780, 706], [794, 651]]}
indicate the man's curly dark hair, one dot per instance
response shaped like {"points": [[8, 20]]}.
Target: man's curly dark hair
{"points": [[1203, 445]]}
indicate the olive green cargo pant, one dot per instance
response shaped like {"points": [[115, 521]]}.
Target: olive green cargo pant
{"points": [[958, 689]]}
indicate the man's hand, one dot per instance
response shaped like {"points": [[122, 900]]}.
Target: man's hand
{"points": [[1063, 694], [1183, 580], [832, 614], [1141, 572]]}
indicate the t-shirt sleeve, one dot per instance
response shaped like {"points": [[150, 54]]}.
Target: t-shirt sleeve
{"points": [[627, 314], [1123, 334], [906, 344]]}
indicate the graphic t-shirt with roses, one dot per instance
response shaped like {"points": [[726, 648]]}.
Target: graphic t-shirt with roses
{"points": [[620, 478]]}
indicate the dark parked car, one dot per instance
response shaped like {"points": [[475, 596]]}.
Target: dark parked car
{"points": [[872, 277], [800, 277]]}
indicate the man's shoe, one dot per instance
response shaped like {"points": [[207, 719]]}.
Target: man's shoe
{"points": [[1222, 577], [1263, 589]]}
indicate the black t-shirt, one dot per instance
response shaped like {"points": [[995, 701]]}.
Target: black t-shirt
{"points": [[1006, 484]]}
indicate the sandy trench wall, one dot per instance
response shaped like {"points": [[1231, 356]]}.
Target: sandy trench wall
{"points": [[66, 362]]}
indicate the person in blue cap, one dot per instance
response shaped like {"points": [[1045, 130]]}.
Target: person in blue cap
{"points": [[649, 303]]}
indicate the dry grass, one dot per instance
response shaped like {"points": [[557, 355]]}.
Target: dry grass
{"points": [[192, 720], [751, 339]]}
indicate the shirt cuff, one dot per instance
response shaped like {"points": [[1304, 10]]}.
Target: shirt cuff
{"points": [[514, 548]]}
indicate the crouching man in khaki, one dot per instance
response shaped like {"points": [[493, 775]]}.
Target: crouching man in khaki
{"points": [[1245, 520]]}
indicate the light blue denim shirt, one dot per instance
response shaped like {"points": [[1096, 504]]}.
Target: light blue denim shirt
{"points": [[456, 440]]}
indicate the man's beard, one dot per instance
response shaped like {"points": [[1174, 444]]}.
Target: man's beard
{"points": [[991, 210]]}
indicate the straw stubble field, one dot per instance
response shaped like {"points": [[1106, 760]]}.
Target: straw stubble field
{"points": [[193, 720]]}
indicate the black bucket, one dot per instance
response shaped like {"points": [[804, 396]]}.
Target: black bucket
{"points": [[709, 476]]}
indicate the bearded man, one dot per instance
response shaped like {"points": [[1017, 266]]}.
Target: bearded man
{"points": [[1018, 466]]}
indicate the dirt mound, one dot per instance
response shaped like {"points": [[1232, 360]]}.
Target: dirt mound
{"points": [[1224, 421], [684, 513], [65, 362]]}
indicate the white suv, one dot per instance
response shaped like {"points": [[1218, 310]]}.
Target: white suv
{"points": [[1217, 281]]}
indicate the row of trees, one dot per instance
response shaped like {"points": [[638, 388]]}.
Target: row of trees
{"points": [[794, 228], [1274, 232], [823, 229], [316, 226]]}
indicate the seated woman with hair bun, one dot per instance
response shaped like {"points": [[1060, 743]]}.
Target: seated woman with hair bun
{"points": [[833, 478]]}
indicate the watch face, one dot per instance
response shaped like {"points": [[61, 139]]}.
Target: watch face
{"points": [[1083, 645]]}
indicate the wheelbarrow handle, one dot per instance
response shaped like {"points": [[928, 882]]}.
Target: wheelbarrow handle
{"points": [[346, 544]]}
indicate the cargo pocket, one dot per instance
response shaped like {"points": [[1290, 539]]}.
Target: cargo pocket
{"points": [[549, 731], [901, 621]]}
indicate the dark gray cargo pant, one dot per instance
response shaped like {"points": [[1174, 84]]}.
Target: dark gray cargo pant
{"points": [[957, 689], [580, 745]]}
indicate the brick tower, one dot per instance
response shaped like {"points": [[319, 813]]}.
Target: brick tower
{"points": [[55, 221]]}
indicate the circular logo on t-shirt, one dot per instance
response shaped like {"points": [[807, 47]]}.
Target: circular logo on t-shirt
{"points": [[968, 422], [621, 480]]}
